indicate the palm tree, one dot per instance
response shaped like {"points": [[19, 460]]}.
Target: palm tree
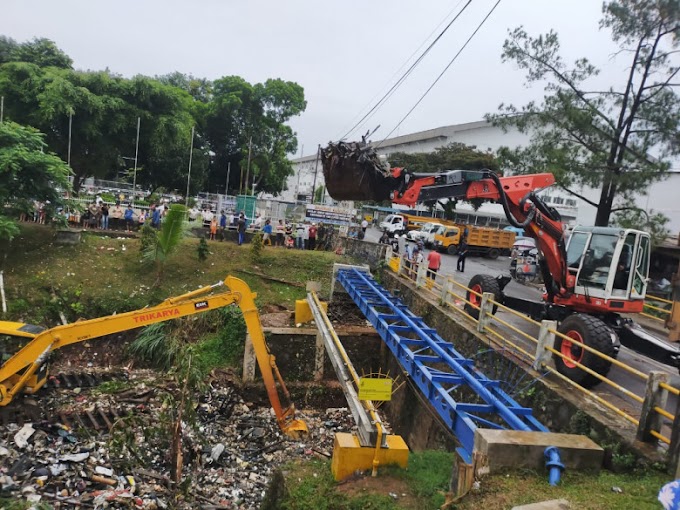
{"points": [[168, 239]]}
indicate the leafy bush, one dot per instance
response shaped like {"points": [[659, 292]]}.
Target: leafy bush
{"points": [[157, 346], [256, 247], [149, 238], [203, 250]]}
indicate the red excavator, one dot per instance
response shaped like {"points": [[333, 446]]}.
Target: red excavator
{"points": [[591, 279]]}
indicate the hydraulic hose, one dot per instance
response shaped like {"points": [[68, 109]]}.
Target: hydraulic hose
{"points": [[506, 208], [554, 464]]}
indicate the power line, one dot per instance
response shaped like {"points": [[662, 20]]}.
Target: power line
{"points": [[442, 73], [394, 75], [403, 77]]}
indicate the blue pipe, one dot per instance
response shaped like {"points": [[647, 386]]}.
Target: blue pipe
{"points": [[511, 418], [554, 464]]}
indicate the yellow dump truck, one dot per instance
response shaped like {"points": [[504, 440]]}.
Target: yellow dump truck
{"points": [[490, 242]]}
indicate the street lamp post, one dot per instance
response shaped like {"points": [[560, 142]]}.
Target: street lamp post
{"points": [[191, 153], [134, 178]]}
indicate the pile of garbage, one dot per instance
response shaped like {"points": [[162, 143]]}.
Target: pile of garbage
{"points": [[354, 171], [230, 448]]}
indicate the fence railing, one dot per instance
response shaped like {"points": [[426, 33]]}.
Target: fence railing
{"points": [[538, 350], [657, 309]]}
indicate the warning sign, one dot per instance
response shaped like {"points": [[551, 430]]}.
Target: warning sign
{"points": [[375, 389]]}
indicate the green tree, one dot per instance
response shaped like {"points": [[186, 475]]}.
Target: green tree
{"points": [[27, 173], [40, 51], [454, 156], [619, 139], [630, 216], [242, 114], [7, 46]]}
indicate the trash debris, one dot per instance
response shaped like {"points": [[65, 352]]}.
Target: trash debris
{"points": [[21, 438], [110, 450]]}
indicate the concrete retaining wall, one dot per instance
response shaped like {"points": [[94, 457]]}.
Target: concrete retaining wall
{"points": [[365, 252]]}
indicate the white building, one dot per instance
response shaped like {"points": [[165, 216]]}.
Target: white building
{"points": [[662, 197]]}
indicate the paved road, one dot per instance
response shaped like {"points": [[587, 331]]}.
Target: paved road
{"points": [[480, 265]]}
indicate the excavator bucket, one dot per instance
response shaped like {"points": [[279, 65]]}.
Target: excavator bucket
{"points": [[295, 429], [353, 171]]}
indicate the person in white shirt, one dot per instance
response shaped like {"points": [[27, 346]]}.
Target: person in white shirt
{"points": [[300, 236], [207, 217], [364, 225], [258, 221]]}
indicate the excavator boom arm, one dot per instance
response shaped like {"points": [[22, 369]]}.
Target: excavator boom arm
{"points": [[17, 372], [522, 207]]}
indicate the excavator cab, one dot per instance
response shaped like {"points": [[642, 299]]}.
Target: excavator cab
{"points": [[609, 263]]}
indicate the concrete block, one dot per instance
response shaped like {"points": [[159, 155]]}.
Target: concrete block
{"points": [[67, 236], [335, 287], [519, 449], [553, 504]]}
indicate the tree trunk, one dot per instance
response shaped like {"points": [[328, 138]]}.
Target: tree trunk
{"points": [[77, 182], [607, 194]]}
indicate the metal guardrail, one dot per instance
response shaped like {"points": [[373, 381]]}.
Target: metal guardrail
{"points": [[452, 294], [663, 313]]}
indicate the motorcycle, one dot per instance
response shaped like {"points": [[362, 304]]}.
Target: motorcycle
{"points": [[524, 266]]}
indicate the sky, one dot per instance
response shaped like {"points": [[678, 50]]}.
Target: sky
{"points": [[345, 54]]}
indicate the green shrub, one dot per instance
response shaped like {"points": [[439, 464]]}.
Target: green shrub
{"points": [[149, 237], [256, 247], [157, 346], [203, 250]]}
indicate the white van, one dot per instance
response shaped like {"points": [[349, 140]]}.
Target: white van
{"points": [[393, 224]]}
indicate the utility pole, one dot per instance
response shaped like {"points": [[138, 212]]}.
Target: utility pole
{"points": [[316, 171], [297, 186], [134, 178], [226, 186], [68, 154], [191, 153], [2, 108], [250, 149]]}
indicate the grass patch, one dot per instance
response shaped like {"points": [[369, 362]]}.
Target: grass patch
{"points": [[428, 475], [583, 490], [312, 487], [423, 485], [104, 275], [109, 387]]}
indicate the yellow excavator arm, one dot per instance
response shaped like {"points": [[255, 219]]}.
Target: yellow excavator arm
{"points": [[26, 369]]}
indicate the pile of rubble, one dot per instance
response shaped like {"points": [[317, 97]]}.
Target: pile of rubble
{"points": [[229, 450]]}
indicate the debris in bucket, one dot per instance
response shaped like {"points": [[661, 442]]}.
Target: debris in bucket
{"points": [[354, 171]]}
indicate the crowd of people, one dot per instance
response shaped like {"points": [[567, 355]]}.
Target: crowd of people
{"points": [[102, 216], [304, 235]]}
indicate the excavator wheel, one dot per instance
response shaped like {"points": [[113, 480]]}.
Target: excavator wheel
{"points": [[481, 283], [592, 332]]}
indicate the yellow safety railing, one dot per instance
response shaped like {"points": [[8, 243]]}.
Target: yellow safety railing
{"points": [[501, 336], [662, 313]]}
